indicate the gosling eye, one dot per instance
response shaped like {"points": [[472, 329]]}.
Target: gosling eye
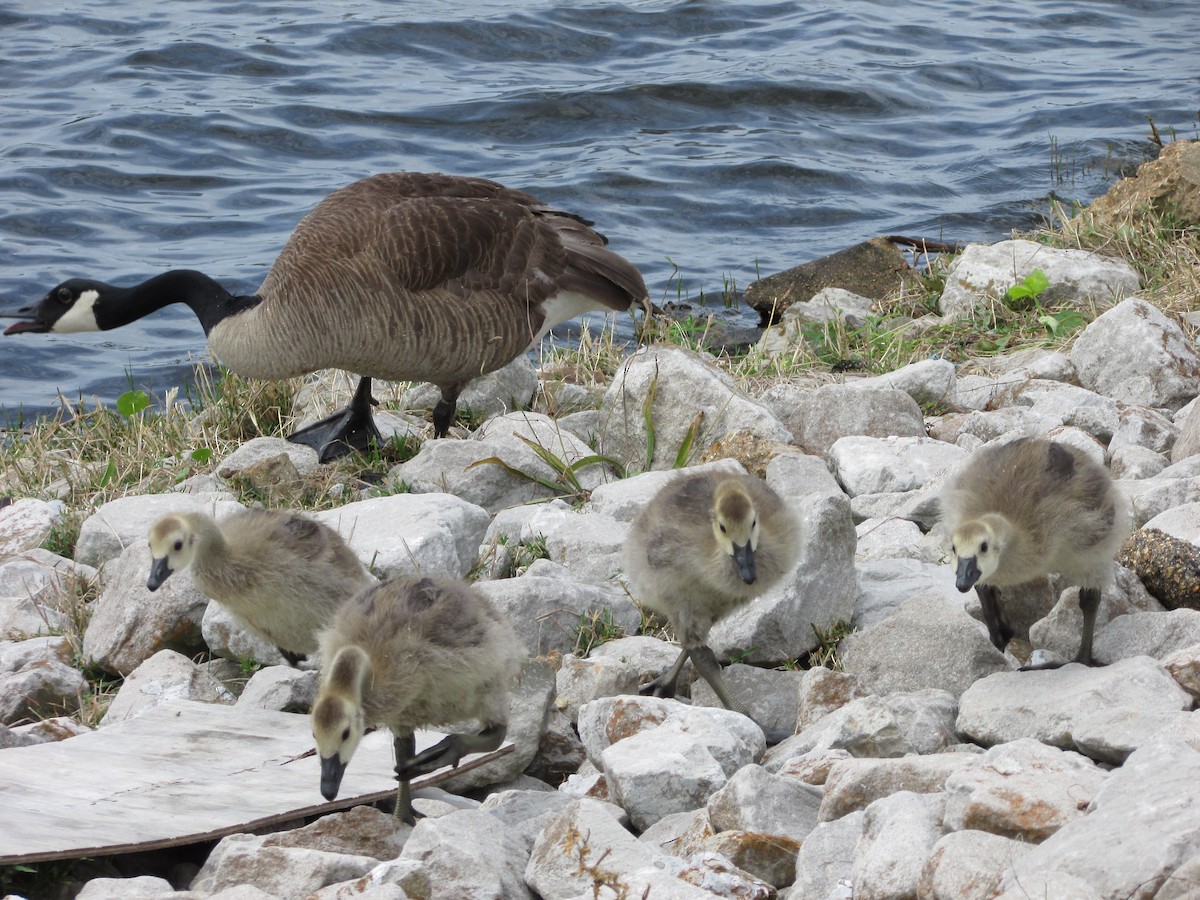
{"points": [[346, 734], [178, 545], [983, 548], [723, 530]]}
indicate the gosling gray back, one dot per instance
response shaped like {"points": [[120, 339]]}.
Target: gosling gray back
{"points": [[439, 652], [283, 574], [675, 565], [1066, 513]]}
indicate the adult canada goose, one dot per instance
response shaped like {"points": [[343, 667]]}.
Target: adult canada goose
{"points": [[1022, 510], [401, 276], [411, 653], [708, 543], [284, 575]]}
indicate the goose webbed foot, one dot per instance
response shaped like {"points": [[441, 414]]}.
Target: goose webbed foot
{"points": [[348, 430], [443, 416], [451, 749]]}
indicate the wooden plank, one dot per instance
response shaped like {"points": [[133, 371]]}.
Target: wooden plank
{"points": [[179, 773]]}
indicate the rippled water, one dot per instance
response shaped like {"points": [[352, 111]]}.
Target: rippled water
{"points": [[710, 141]]}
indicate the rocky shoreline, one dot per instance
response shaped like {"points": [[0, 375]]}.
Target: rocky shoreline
{"points": [[925, 767]]}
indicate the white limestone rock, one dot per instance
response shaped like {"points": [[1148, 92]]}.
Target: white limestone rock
{"points": [[769, 695], [1181, 521], [166, 675], [983, 273], [1023, 789], [928, 642], [125, 522], [1141, 826], [895, 725], [931, 381], [547, 612], [758, 801], [227, 636], [1048, 704], [581, 680], [589, 546], [583, 833], [899, 833], [835, 411], [288, 873], [969, 865], [1111, 735], [1145, 428], [467, 853], [281, 688], [1136, 354], [33, 587], [826, 858], [686, 386], [884, 585], [867, 465], [1135, 463], [404, 534], [37, 679], [887, 538], [130, 623], [456, 467], [1153, 634], [259, 449], [854, 784], [26, 523]]}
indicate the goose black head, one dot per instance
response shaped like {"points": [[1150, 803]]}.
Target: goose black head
{"points": [[75, 305]]}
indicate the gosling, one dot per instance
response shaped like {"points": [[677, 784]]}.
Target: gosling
{"points": [[1025, 509], [413, 653], [708, 543], [281, 573]]}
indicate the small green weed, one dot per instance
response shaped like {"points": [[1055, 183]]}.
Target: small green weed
{"points": [[1026, 293], [595, 628]]}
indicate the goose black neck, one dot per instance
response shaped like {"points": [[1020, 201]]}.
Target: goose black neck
{"points": [[205, 297]]}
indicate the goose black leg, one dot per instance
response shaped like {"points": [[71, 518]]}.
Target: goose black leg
{"points": [[999, 631], [443, 412], [349, 429]]}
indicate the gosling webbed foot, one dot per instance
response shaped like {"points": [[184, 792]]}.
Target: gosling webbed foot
{"points": [[348, 430], [292, 659], [450, 750], [662, 686]]}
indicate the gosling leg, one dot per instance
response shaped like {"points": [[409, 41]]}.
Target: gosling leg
{"points": [[664, 685], [706, 664], [352, 428], [999, 631], [451, 749], [1089, 605], [405, 746]]}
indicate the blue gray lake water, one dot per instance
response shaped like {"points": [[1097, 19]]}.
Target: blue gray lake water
{"points": [[710, 141]]}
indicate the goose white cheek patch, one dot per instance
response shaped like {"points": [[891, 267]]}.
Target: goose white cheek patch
{"points": [[80, 317]]}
